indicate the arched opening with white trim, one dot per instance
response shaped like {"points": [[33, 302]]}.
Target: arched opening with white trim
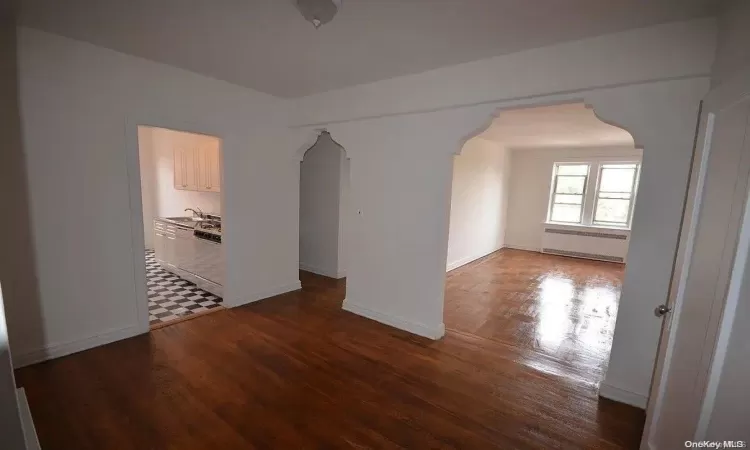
{"points": [[323, 210], [542, 203], [402, 174]]}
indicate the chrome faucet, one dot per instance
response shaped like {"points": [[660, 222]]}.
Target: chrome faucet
{"points": [[198, 213]]}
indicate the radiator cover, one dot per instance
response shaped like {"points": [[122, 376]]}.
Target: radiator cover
{"points": [[585, 242]]}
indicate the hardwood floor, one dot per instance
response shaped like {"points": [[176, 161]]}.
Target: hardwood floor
{"points": [[526, 346]]}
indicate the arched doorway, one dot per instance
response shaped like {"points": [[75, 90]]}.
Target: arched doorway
{"points": [[542, 205], [324, 200]]}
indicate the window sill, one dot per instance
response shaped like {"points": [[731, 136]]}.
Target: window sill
{"points": [[581, 226]]}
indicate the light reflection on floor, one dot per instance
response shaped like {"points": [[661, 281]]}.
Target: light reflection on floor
{"points": [[560, 312]]}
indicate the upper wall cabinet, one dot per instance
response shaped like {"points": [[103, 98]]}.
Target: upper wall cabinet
{"points": [[197, 168], [209, 168], [185, 173]]}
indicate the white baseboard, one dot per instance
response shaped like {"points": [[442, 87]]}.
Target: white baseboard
{"points": [[263, 294], [463, 261], [466, 260], [623, 396], [29, 430], [318, 270], [432, 332], [68, 348], [523, 247]]}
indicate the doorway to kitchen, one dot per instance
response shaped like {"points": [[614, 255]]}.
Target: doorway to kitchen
{"points": [[181, 200], [323, 213]]}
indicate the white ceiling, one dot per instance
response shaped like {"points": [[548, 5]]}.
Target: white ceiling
{"points": [[267, 46], [571, 125]]}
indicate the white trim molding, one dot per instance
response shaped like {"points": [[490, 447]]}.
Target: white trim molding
{"points": [[67, 348], [29, 430], [471, 258], [523, 247], [623, 396], [319, 270], [431, 332], [53, 351], [264, 294]]}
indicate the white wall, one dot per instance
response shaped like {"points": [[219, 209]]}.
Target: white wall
{"points": [[13, 283], [728, 413], [478, 201], [80, 106], [401, 134], [158, 194], [530, 186], [730, 408], [655, 53], [320, 199], [732, 49], [148, 182], [344, 212], [77, 102]]}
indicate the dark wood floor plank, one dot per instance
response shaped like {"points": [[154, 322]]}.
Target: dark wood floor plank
{"points": [[527, 344]]}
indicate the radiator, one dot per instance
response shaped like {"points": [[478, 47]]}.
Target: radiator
{"points": [[588, 243]]}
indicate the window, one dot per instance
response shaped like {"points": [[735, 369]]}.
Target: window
{"points": [[604, 200], [567, 193], [615, 194]]}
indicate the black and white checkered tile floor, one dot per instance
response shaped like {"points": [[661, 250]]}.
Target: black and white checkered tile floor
{"points": [[170, 297]]}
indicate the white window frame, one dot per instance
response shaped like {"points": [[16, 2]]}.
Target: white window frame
{"points": [[591, 192], [553, 190], [633, 193]]}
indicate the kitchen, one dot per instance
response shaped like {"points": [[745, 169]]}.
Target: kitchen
{"points": [[181, 180]]}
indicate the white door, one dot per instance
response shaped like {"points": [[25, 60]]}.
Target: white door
{"points": [[708, 242]]}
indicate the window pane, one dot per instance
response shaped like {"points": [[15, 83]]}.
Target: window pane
{"points": [[573, 169], [620, 166], [625, 195], [570, 185], [612, 210], [566, 213], [616, 180], [568, 199]]}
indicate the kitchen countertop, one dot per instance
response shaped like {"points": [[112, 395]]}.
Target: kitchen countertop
{"points": [[177, 222], [192, 223]]}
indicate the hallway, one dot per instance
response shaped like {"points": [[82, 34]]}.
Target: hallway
{"points": [[518, 368]]}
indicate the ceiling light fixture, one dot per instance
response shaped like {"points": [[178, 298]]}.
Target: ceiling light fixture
{"points": [[318, 12]]}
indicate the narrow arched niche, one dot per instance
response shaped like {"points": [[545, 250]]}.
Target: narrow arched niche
{"points": [[324, 194]]}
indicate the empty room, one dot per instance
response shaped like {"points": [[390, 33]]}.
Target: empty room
{"points": [[357, 224], [541, 210]]}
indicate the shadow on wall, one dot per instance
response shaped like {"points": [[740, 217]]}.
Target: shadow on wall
{"points": [[18, 275]]}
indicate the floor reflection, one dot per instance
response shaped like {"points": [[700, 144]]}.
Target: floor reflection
{"points": [[559, 311]]}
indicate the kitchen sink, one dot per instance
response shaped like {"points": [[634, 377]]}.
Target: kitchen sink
{"points": [[182, 222], [185, 220]]}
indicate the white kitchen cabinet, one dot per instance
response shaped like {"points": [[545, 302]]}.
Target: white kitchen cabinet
{"points": [[197, 260], [207, 261], [209, 168], [197, 168], [164, 242], [185, 169]]}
